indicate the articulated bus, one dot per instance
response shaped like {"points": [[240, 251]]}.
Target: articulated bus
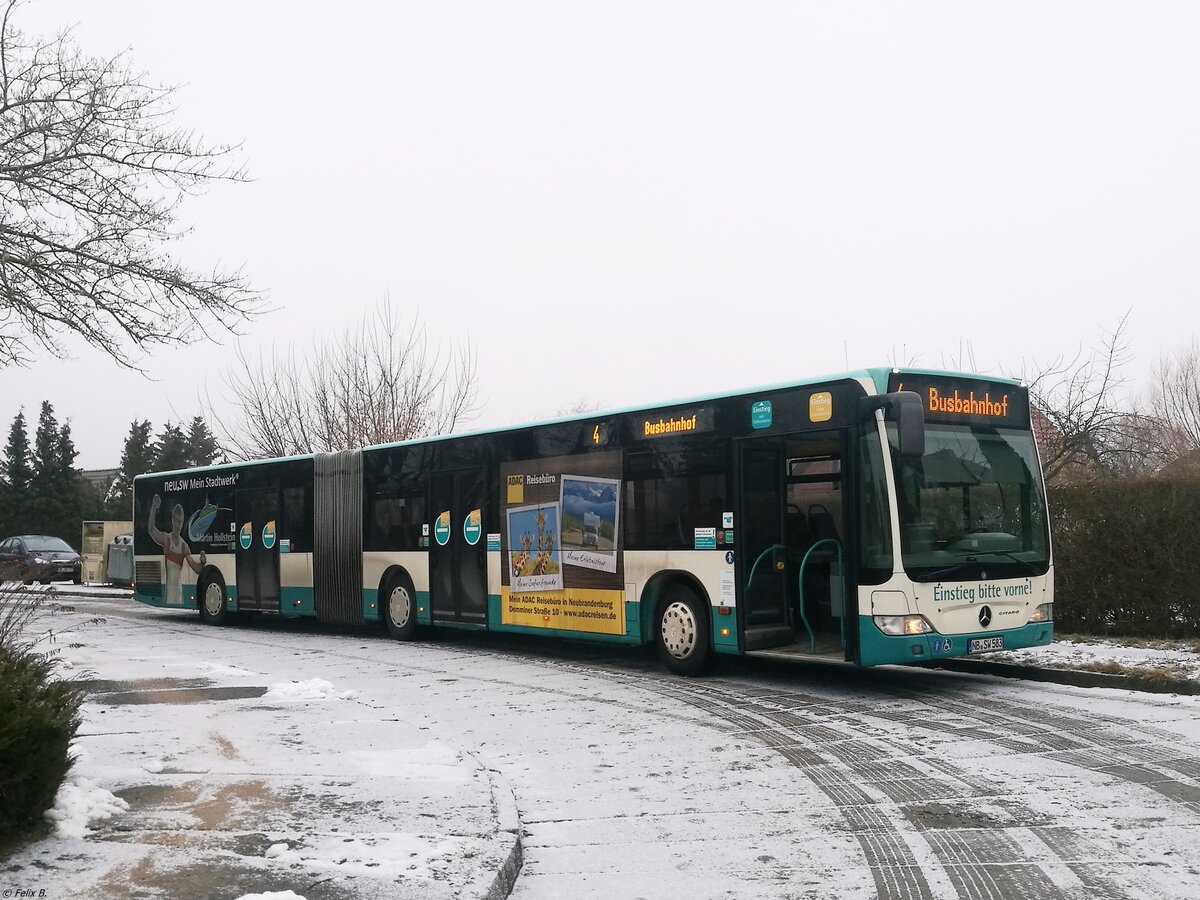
{"points": [[880, 516]]}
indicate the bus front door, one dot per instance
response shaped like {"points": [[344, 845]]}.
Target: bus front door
{"points": [[791, 530], [458, 547], [257, 551], [761, 536]]}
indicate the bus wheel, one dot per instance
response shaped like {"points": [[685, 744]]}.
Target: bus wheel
{"points": [[399, 610], [211, 593], [682, 632]]}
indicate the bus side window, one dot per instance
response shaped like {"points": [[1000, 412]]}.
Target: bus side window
{"points": [[296, 518], [395, 523]]}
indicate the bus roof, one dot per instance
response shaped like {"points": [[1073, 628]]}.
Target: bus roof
{"points": [[877, 376]]}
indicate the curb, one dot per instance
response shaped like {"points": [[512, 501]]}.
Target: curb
{"points": [[1071, 677], [54, 591], [508, 820]]}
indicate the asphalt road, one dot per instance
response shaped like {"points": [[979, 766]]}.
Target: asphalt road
{"points": [[777, 780]]}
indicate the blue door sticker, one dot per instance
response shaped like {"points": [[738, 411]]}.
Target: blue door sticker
{"points": [[760, 414]]}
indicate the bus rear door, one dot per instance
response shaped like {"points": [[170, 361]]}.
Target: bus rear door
{"points": [[458, 552], [257, 549]]}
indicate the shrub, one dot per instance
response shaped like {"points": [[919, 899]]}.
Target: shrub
{"points": [[39, 716], [1125, 557]]}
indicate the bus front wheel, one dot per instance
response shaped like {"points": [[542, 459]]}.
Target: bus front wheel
{"points": [[399, 610], [681, 632], [211, 594]]}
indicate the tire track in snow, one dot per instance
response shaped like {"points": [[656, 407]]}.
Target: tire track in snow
{"points": [[876, 791], [1103, 745], [1146, 756]]}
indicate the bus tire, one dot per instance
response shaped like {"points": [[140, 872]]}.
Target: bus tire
{"points": [[681, 631], [399, 608], [210, 597]]}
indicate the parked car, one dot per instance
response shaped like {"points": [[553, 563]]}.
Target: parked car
{"points": [[38, 557]]}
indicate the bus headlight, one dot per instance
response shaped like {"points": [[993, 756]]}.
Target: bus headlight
{"points": [[1043, 613], [897, 625]]}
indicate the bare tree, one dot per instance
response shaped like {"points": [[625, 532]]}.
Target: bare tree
{"points": [[378, 383], [577, 408], [1077, 417], [92, 173], [1139, 444], [1175, 402]]}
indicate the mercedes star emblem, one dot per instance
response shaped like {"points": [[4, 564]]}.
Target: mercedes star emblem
{"points": [[985, 616]]}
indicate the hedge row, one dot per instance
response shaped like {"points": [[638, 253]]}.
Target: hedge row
{"points": [[1127, 557]]}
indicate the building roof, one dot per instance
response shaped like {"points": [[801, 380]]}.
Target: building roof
{"points": [[101, 478]]}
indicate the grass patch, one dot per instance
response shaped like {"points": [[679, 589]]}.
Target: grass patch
{"points": [[1156, 675]]}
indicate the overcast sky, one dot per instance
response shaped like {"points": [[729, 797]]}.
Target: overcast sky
{"points": [[629, 202]]}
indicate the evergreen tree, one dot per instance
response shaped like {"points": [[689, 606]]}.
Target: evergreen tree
{"points": [[15, 470], [73, 491], [15, 474], [45, 443], [41, 506], [171, 449], [136, 459], [92, 504], [54, 500], [202, 447], [66, 448]]}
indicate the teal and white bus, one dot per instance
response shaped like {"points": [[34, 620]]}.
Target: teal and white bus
{"points": [[879, 516]]}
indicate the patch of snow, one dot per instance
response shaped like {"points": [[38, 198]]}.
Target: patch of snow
{"points": [[1178, 659], [388, 855], [272, 895], [234, 671], [433, 762], [154, 765], [80, 802], [313, 689]]}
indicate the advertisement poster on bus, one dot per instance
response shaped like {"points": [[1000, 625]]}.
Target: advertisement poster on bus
{"points": [[184, 521], [561, 544], [537, 566], [590, 510]]}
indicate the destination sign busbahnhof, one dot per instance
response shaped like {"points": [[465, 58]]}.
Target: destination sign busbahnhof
{"points": [[966, 399], [673, 422]]}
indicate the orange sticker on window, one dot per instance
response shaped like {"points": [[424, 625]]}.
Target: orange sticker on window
{"points": [[820, 407]]}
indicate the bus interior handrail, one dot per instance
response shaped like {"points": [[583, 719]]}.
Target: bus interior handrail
{"points": [[772, 549], [812, 638]]}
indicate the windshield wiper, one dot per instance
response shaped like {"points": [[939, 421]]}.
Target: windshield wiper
{"points": [[932, 576], [973, 560], [1013, 556]]}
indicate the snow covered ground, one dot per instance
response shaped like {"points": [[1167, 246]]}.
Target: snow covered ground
{"points": [[281, 757]]}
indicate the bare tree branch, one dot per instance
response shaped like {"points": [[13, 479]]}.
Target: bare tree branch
{"points": [[577, 407], [1081, 426], [1175, 404], [376, 384], [92, 174]]}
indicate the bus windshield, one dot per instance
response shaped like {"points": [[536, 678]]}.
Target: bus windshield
{"points": [[972, 506]]}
